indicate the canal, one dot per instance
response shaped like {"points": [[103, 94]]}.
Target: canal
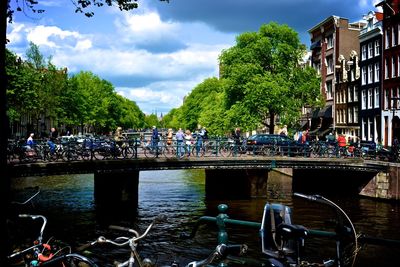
{"points": [[68, 204]]}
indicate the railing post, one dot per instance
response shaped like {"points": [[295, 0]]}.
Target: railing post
{"points": [[222, 233]]}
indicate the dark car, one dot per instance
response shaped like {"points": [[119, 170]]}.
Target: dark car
{"points": [[268, 139], [270, 144]]}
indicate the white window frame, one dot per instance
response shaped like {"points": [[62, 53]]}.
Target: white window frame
{"points": [[377, 73], [350, 113], [376, 100], [355, 93], [329, 41], [387, 38], [370, 50], [349, 94], [329, 91], [370, 73], [393, 70], [355, 114], [363, 52], [370, 98], [386, 69], [363, 99], [363, 75], [377, 47], [329, 64]]}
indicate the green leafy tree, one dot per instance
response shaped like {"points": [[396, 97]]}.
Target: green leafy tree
{"points": [[264, 78]]}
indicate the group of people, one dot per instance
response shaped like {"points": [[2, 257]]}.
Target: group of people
{"points": [[53, 135]]}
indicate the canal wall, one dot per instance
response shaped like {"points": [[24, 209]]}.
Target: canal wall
{"points": [[384, 185]]}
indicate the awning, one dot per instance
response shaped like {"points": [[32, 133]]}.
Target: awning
{"points": [[325, 112]]}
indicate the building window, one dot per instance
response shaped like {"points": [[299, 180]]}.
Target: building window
{"points": [[329, 90], [371, 130], [370, 74], [394, 37], [363, 99], [352, 77], [363, 75], [363, 129], [377, 47], [364, 52], [393, 67], [377, 73], [370, 50], [329, 63], [349, 94], [386, 69], [376, 101], [387, 38], [329, 41], [398, 66], [370, 97], [355, 94], [386, 102], [355, 114], [349, 111]]}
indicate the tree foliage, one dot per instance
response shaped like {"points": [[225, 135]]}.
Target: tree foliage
{"points": [[40, 90], [265, 79]]}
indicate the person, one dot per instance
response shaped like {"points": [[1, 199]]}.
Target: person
{"points": [[154, 138], [236, 136], [205, 131], [29, 142], [170, 135], [200, 138], [52, 139], [118, 137], [188, 141], [284, 131], [179, 142]]}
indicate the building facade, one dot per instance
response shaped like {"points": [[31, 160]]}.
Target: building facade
{"points": [[390, 126], [370, 83], [346, 95], [331, 38]]}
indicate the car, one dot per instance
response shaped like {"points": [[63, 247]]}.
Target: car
{"points": [[270, 144], [269, 139]]}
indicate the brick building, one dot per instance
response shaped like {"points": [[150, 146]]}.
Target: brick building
{"points": [[331, 38], [390, 125]]}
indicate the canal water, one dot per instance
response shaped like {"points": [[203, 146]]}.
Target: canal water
{"points": [[68, 204]]}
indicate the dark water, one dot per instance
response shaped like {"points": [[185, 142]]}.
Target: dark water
{"points": [[67, 202]]}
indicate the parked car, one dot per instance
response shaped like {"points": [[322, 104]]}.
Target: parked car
{"points": [[271, 144], [269, 139]]}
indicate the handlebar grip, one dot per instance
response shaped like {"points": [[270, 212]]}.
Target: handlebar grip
{"points": [[24, 216], [234, 250], [119, 228]]}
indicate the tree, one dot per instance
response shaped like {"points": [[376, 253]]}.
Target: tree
{"points": [[6, 12], [264, 78]]}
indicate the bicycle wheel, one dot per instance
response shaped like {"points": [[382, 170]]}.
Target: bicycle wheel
{"points": [[170, 151], [225, 150], [149, 152], [197, 151]]}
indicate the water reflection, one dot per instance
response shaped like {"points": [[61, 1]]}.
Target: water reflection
{"points": [[67, 202]]}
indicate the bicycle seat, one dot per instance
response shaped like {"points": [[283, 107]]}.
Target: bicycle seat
{"points": [[292, 231]]}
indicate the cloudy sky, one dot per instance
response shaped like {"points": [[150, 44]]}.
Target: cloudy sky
{"points": [[156, 54]]}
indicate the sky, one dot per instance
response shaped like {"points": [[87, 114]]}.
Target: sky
{"points": [[156, 55]]}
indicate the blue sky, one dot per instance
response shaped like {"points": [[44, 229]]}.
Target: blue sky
{"points": [[156, 54]]}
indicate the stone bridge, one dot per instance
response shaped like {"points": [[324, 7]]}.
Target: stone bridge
{"points": [[232, 177]]}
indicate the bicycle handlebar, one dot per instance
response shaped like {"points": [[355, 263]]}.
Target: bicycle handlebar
{"points": [[221, 252], [34, 217]]}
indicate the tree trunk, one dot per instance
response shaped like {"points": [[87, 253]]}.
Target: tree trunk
{"points": [[271, 122]]}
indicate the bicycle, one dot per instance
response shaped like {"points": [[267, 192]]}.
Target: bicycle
{"points": [[123, 241], [284, 242]]}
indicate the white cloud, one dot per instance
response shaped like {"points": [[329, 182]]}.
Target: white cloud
{"points": [[40, 35], [16, 32]]}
